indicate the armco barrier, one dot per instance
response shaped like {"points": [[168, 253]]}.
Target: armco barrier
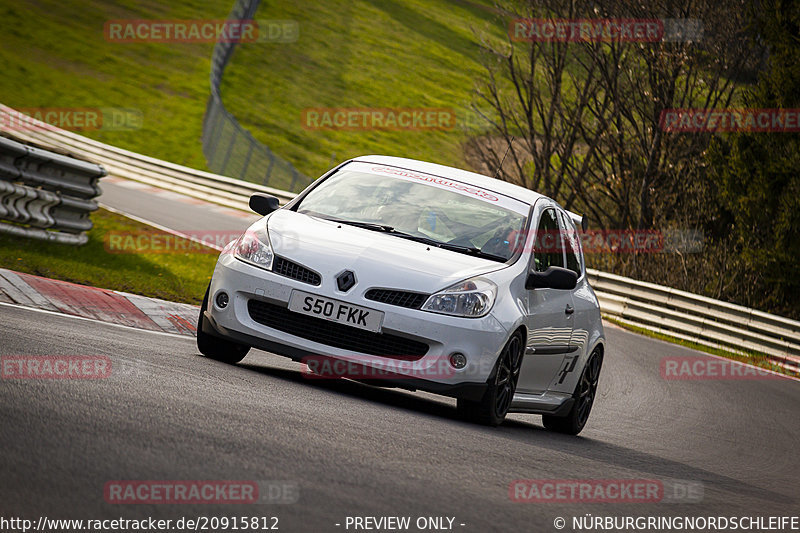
{"points": [[46, 195], [653, 307], [124, 164], [697, 318]]}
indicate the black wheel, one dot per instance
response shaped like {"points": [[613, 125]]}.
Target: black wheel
{"points": [[216, 347], [493, 407], [584, 395]]}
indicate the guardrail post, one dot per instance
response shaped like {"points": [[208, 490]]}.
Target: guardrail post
{"points": [[45, 195], [228, 153], [269, 168], [247, 161]]}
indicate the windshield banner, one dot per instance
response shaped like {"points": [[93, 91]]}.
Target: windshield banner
{"points": [[442, 183]]}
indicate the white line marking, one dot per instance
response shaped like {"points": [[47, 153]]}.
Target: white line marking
{"points": [[160, 227], [130, 184], [94, 320]]}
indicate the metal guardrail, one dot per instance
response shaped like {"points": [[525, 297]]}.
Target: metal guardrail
{"points": [[653, 307], [229, 148], [44, 195], [223, 190], [697, 318]]}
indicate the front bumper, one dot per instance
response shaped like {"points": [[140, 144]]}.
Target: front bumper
{"points": [[480, 340]]}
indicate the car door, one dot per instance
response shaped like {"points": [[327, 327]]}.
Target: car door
{"points": [[585, 305], [549, 311]]}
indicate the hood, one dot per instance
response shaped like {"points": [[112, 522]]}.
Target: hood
{"points": [[377, 259]]}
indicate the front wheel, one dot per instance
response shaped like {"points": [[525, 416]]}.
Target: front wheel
{"points": [[215, 347], [493, 407], [584, 395]]}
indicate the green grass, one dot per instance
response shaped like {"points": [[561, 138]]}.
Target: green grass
{"points": [[746, 356], [54, 54], [364, 53], [178, 277]]}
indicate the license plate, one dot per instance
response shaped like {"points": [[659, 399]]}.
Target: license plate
{"points": [[336, 311]]}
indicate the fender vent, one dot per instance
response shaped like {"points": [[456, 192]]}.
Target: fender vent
{"points": [[290, 269]]}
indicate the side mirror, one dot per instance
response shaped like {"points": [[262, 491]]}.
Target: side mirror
{"points": [[552, 278], [264, 204]]}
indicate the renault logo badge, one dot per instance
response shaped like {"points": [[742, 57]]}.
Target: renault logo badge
{"points": [[345, 280]]}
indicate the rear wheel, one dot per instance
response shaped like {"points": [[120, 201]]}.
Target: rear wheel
{"points": [[584, 396], [216, 347], [493, 407]]}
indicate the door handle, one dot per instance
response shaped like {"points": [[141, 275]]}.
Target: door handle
{"points": [[569, 309]]}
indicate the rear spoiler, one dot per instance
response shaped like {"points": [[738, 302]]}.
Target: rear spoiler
{"points": [[580, 220]]}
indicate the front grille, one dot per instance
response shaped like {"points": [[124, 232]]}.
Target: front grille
{"points": [[412, 300], [290, 269], [333, 334]]}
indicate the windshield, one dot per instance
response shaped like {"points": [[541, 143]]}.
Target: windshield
{"points": [[409, 204]]}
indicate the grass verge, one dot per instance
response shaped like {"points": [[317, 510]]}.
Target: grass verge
{"points": [[177, 277], [749, 357]]}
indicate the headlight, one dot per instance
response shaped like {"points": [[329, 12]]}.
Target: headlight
{"points": [[472, 298], [253, 247]]}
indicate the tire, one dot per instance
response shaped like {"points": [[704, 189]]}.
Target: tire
{"points": [[215, 347], [491, 410], [585, 393]]}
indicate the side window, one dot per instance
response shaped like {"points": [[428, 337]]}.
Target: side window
{"points": [[546, 250], [571, 246]]}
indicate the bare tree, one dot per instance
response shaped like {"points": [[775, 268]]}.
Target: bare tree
{"points": [[647, 79], [586, 114], [534, 93]]}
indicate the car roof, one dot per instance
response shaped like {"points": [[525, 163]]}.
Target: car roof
{"points": [[479, 180]]}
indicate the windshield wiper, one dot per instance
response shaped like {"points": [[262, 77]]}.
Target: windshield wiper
{"points": [[474, 251], [366, 225], [369, 225], [469, 250]]}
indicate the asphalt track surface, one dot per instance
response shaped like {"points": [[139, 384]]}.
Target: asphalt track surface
{"points": [[163, 209], [167, 413]]}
